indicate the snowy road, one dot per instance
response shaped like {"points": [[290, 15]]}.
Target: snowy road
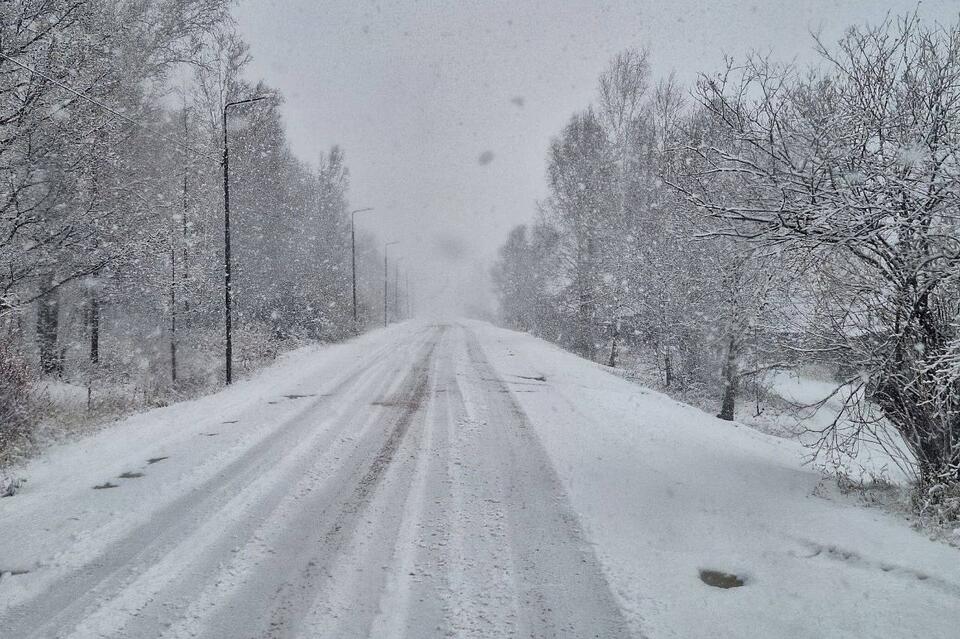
{"points": [[403, 494], [434, 480]]}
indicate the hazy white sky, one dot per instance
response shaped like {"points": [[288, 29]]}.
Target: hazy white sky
{"points": [[417, 92]]}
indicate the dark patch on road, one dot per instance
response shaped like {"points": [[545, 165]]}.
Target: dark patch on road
{"points": [[131, 475], [391, 403], [536, 378], [209, 434], [12, 572], [154, 460], [295, 396], [105, 485], [389, 448], [719, 579], [232, 421]]}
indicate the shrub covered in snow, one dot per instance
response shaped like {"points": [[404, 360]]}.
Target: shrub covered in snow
{"points": [[939, 502], [15, 419]]}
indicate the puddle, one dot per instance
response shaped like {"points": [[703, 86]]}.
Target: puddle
{"points": [[105, 485], [719, 579], [131, 475], [154, 460]]}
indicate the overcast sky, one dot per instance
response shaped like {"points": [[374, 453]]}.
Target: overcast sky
{"points": [[418, 92]]}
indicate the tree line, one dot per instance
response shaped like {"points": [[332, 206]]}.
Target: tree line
{"points": [[111, 206], [770, 215]]}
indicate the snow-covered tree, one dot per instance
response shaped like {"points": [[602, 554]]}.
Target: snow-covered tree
{"points": [[856, 166]]}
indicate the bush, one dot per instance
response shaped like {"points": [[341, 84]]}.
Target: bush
{"points": [[15, 385], [938, 501]]}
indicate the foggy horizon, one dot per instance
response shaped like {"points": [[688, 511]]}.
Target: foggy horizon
{"points": [[416, 93]]}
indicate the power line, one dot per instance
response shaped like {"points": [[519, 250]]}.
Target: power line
{"points": [[103, 106]]}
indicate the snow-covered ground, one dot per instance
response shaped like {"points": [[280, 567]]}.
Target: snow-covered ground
{"points": [[451, 480], [665, 489], [876, 453]]}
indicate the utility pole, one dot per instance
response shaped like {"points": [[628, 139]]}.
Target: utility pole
{"points": [[396, 289], [386, 248], [353, 259], [227, 285]]}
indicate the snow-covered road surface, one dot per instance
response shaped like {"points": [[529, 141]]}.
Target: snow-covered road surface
{"points": [[433, 480], [398, 492]]}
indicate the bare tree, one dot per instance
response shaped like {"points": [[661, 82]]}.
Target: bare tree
{"points": [[858, 165]]}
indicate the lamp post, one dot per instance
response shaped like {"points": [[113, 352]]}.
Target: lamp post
{"points": [[386, 248], [353, 258], [227, 286], [396, 288]]}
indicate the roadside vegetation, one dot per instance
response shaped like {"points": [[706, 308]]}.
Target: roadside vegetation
{"points": [[770, 218], [112, 215]]}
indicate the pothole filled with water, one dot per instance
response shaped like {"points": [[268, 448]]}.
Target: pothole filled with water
{"points": [[719, 579]]}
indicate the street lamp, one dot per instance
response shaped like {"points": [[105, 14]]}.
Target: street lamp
{"points": [[227, 289], [385, 251], [396, 289], [353, 258]]}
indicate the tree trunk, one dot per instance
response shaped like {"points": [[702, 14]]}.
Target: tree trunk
{"points": [[613, 346], [729, 383], [48, 319], [94, 329], [173, 314], [667, 367], [584, 339], [185, 272]]}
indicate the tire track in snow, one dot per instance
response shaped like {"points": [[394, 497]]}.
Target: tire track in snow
{"points": [[557, 577], [66, 602], [296, 579], [210, 553], [412, 599]]}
